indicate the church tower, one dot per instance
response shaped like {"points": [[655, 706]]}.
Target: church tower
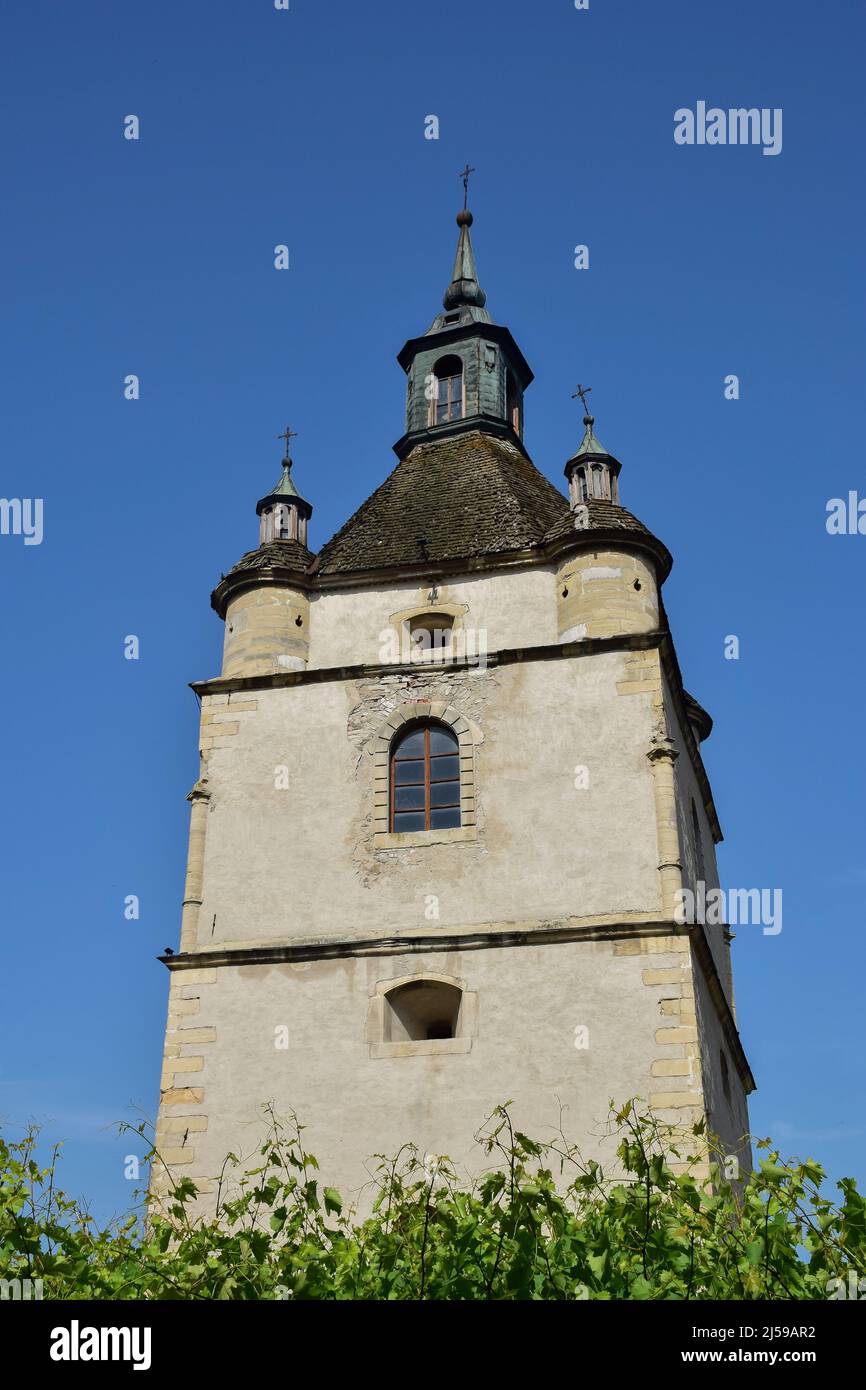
{"points": [[451, 787]]}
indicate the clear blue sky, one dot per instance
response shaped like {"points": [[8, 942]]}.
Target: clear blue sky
{"points": [[261, 127]]}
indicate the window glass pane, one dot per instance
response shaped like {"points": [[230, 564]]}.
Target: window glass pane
{"points": [[412, 746], [410, 820], [411, 798], [443, 388], [441, 412], [409, 772], [445, 819], [443, 794], [441, 770], [441, 741]]}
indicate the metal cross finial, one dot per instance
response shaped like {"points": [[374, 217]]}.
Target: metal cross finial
{"points": [[288, 434], [464, 175], [583, 392]]}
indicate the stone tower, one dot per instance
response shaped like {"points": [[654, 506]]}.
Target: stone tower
{"points": [[451, 785]]}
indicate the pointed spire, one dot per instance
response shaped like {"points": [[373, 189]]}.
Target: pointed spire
{"points": [[464, 287], [590, 444], [285, 487], [466, 372], [464, 299]]}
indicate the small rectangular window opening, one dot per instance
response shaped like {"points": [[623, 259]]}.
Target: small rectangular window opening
{"points": [[421, 1011]]}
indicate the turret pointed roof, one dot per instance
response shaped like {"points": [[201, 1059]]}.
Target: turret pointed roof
{"points": [[464, 287], [590, 446], [285, 491], [285, 487], [464, 299]]}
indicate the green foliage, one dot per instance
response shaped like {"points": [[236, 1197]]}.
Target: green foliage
{"points": [[541, 1223]]}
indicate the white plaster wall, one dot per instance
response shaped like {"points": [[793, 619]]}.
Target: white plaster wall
{"points": [[529, 1001], [514, 608], [301, 862]]}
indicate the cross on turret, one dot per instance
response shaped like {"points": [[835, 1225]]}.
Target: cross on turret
{"points": [[464, 175], [288, 434]]}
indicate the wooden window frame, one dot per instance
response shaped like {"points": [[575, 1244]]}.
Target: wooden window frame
{"points": [[451, 399], [379, 748], [428, 758]]}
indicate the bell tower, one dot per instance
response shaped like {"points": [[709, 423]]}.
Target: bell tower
{"points": [[466, 372], [426, 878]]}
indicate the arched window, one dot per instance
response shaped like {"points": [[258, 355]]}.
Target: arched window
{"points": [[425, 779], [447, 403], [421, 1011]]}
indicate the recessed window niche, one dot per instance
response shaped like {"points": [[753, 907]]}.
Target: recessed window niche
{"points": [[420, 1016]]}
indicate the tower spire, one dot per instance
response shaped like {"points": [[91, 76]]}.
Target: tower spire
{"points": [[464, 287], [466, 372]]}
